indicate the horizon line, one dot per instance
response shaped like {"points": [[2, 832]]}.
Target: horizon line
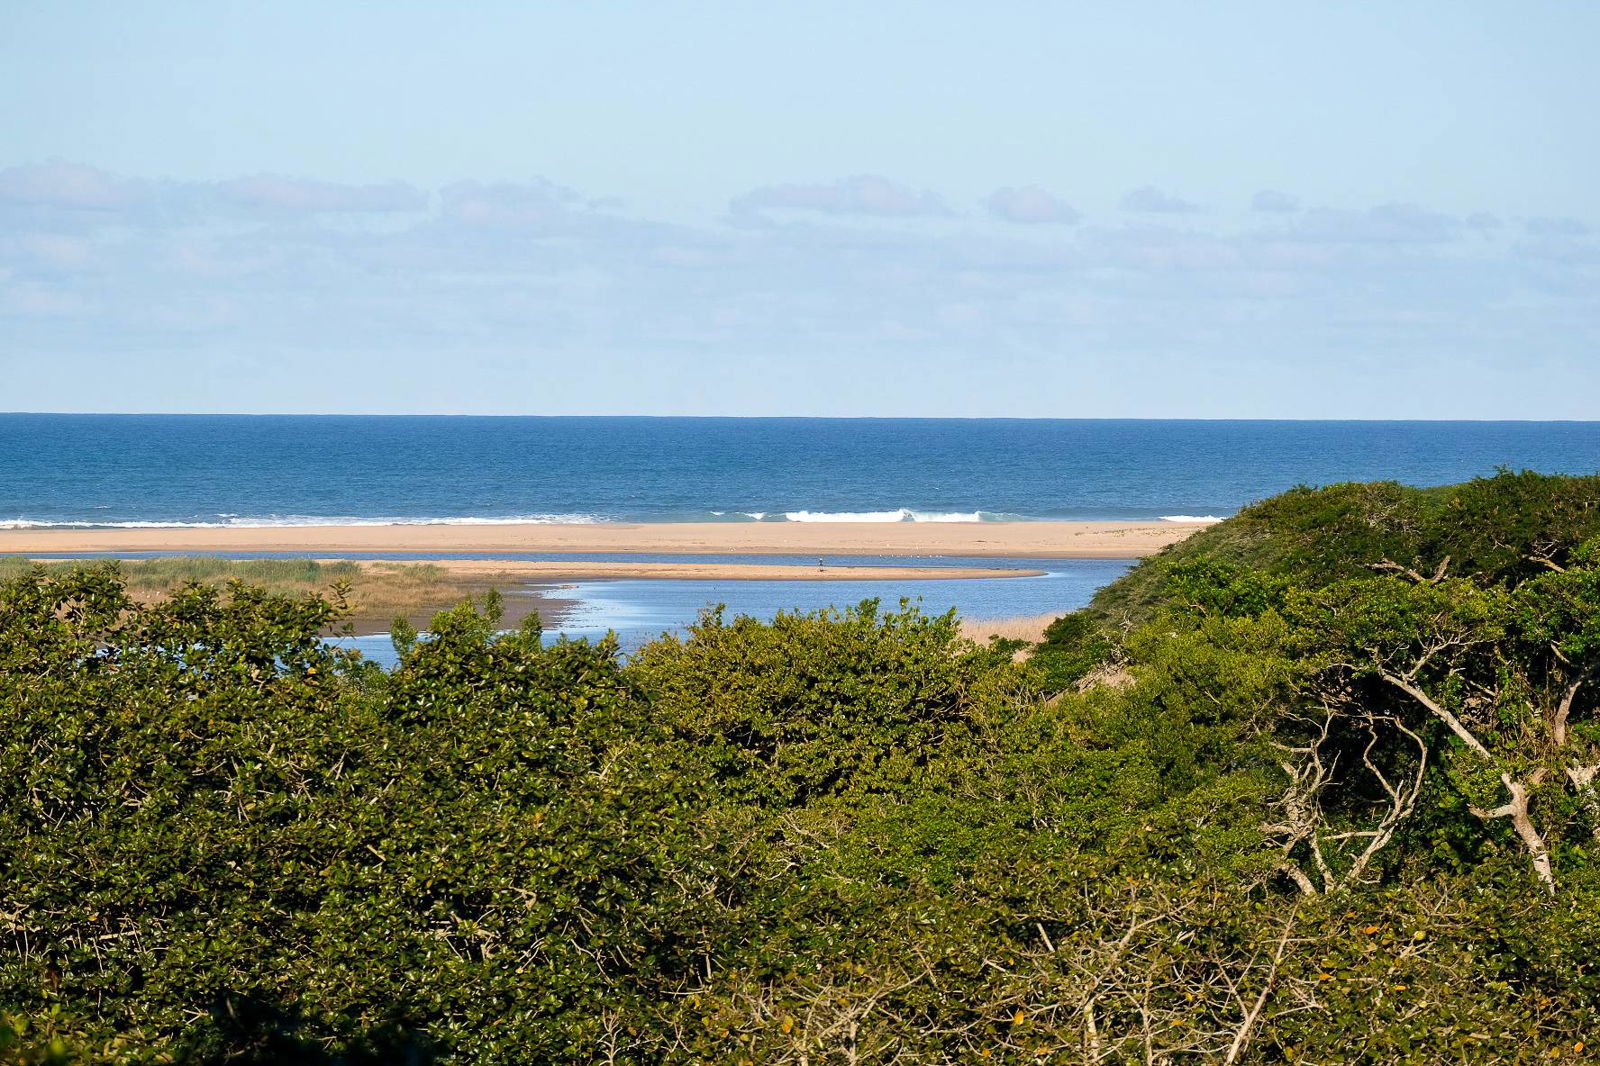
{"points": [[774, 418]]}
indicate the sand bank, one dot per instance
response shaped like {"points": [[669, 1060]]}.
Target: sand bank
{"points": [[588, 570], [1045, 540]]}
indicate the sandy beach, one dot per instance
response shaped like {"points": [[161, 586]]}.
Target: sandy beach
{"points": [[1042, 540], [590, 569]]}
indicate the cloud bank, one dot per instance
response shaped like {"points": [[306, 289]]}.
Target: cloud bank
{"points": [[1273, 201], [273, 192], [862, 194], [861, 295], [1029, 205], [68, 186], [1151, 200]]}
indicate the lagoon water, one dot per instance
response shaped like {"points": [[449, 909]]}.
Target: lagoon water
{"points": [[640, 610], [136, 470]]}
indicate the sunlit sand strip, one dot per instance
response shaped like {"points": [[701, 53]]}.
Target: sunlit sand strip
{"points": [[1058, 540], [586, 570]]}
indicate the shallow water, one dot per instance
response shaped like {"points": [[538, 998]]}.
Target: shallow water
{"points": [[640, 610]]}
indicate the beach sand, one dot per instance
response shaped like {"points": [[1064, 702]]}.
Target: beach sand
{"points": [[541, 582], [589, 570], [1043, 540]]}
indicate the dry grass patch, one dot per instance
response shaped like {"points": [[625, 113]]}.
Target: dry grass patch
{"points": [[378, 591], [1027, 627]]}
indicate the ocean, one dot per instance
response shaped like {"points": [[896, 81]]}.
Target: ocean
{"points": [[178, 470]]}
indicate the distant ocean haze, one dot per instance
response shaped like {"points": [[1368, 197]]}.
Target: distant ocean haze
{"points": [[191, 470]]}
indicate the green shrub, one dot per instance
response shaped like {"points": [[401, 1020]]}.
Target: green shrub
{"points": [[825, 703], [1329, 806]]}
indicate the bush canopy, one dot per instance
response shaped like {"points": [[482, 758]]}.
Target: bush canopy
{"points": [[1316, 785]]}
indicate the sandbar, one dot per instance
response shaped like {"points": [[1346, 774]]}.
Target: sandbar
{"points": [[1042, 540], [591, 569]]}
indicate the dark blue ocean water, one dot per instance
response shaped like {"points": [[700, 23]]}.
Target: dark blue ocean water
{"points": [[248, 470]]}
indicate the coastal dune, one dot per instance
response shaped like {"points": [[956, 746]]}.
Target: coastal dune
{"points": [[1043, 540]]}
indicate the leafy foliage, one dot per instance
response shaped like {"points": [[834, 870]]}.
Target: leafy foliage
{"points": [[1295, 791], [823, 704]]}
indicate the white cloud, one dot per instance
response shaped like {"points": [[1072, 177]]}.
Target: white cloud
{"points": [[1150, 199], [862, 194], [37, 300], [59, 251], [532, 203], [1384, 224], [1414, 221], [67, 185], [1556, 227], [1272, 201], [527, 271], [274, 192], [1029, 204]]}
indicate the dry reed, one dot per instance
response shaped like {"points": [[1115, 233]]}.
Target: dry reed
{"points": [[1029, 628]]}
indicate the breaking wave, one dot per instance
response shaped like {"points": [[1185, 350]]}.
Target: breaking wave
{"points": [[902, 514]]}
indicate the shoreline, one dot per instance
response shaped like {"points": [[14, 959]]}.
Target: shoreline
{"points": [[1025, 540]]}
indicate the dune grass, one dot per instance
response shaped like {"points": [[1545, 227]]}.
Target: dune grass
{"points": [[1023, 627], [143, 575]]}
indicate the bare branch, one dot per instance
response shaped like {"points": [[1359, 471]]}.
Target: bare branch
{"points": [[1241, 1039], [1558, 721], [1402, 798], [1532, 842], [1582, 778], [1409, 688], [1389, 566]]}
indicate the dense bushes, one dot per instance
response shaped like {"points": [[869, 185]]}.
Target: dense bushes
{"points": [[826, 704], [1281, 813], [245, 844]]}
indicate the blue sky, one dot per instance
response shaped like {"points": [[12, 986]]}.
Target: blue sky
{"points": [[1044, 209]]}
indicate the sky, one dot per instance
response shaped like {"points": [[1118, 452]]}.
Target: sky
{"points": [[1047, 209]]}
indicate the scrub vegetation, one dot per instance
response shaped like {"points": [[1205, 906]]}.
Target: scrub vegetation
{"points": [[373, 592], [1317, 785]]}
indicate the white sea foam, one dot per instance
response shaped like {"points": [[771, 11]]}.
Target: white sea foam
{"points": [[903, 514], [947, 516], [282, 521], [25, 523], [234, 521], [1190, 518]]}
